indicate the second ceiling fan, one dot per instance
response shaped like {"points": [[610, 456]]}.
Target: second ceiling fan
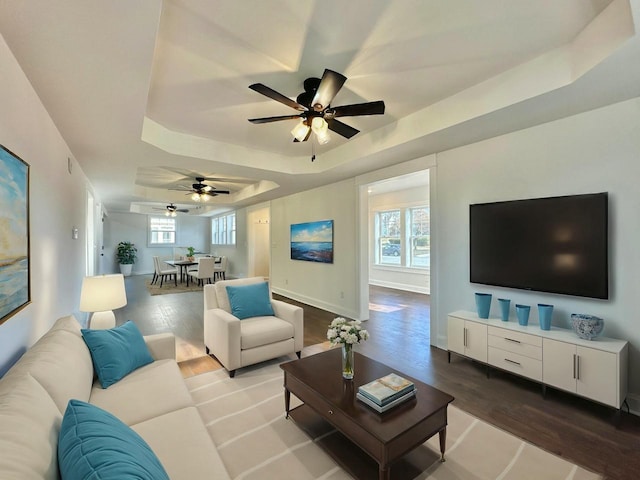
{"points": [[200, 191], [316, 113]]}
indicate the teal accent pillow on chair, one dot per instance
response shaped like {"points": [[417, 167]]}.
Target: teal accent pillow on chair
{"points": [[116, 352], [250, 300], [94, 444]]}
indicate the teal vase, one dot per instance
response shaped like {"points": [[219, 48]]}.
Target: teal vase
{"points": [[522, 312], [483, 304], [544, 316], [505, 304]]}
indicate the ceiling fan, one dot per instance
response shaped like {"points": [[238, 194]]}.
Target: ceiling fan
{"points": [[171, 210], [316, 113], [200, 191]]}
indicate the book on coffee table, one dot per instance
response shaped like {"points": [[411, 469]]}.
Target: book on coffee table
{"points": [[387, 389], [387, 406]]}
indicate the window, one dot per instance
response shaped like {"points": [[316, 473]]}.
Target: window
{"points": [[402, 237], [389, 239], [162, 231], [223, 230]]}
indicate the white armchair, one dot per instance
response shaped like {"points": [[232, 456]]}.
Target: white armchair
{"points": [[238, 343]]}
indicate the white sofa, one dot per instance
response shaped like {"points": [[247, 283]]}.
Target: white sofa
{"points": [[153, 400], [239, 343]]}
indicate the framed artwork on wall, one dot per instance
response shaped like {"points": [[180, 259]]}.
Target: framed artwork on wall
{"points": [[15, 278], [312, 241]]}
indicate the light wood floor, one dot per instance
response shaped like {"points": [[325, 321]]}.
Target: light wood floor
{"points": [[579, 430]]}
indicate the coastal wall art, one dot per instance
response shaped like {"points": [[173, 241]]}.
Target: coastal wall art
{"points": [[312, 241], [15, 280]]}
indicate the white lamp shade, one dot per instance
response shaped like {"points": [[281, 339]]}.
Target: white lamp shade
{"points": [[300, 131], [319, 125], [103, 292]]}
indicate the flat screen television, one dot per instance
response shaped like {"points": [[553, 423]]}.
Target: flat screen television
{"points": [[554, 245]]}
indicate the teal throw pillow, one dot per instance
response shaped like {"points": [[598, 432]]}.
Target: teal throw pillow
{"points": [[116, 352], [250, 300], [92, 443]]}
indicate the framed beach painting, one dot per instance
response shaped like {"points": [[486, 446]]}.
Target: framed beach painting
{"points": [[15, 280], [313, 241]]}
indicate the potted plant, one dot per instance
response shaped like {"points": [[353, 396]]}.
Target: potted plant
{"points": [[190, 253], [126, 254]]}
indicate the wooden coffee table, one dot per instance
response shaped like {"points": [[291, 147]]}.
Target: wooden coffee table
{"points": [[384, 437]]}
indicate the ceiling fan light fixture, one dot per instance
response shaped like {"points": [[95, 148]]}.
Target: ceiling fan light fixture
{"points": [[170, 213], [319, 125], [195, 197], [323, 137], [300, 131]]}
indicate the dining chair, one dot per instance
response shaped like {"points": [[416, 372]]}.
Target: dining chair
{"points": [[220, 270], [163, 273], [204, 272]]}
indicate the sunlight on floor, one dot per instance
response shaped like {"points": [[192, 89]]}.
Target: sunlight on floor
{"points": [[385, 308]]}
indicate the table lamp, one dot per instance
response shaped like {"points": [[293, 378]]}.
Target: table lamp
{"points": [[100, 295]]}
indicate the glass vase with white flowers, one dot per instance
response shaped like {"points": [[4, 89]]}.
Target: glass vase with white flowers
{"points": [[347, 334]]}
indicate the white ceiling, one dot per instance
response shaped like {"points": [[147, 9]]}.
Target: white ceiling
{"points": [[148, 93]]}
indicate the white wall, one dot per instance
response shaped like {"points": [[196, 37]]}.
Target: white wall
{"points": [[592, 152], [391, 276], [332, 287], [57, 204], [258, 241], [192, 231]]}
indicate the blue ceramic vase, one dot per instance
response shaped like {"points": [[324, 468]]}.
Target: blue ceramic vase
{"points": [[522, 312], [544, 316], [483, 304], [505, 304]]}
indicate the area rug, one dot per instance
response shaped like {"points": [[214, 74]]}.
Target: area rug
{"points": [[169, 287], [245, 418]]}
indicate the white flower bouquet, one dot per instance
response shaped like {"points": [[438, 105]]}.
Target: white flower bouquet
{"points": [[347, 332]]}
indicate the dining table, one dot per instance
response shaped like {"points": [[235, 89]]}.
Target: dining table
{"points": [[183, 265]]}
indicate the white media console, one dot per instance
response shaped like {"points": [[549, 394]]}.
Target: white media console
{"points": [[594, 369]]}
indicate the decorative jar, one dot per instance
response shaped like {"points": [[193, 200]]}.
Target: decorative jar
{"points": [[586, 326]]}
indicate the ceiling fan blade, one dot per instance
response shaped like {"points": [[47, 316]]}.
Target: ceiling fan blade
{"points": [[278, 97], [224, 192], [273, 119], [182, 210], [330, 85], [342, 128], [369, 108]]}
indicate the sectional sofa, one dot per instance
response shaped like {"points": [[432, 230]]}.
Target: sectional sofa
{"points": [[152, 400]]}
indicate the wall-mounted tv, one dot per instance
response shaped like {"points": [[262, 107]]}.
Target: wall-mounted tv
{"points": [[554, 245], [312, 241]]}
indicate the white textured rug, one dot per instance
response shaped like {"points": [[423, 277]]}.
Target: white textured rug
{"points": [[245, 418]]}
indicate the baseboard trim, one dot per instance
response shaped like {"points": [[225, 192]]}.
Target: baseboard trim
{"points": [[339, 310], [633, 399], [400, 286]]}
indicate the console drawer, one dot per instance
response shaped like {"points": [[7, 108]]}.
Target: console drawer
{"points": [[516, 363], [516, 342]]}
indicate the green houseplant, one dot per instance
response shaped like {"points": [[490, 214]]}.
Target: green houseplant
{"points": [[126, 253], [190, 253]]}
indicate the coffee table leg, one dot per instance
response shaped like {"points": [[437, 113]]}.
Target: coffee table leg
{"points": [[384, 473], [443, 442], [287, 402]]}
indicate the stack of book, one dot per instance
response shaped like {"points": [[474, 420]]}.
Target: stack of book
{"points": [[386, 392]]}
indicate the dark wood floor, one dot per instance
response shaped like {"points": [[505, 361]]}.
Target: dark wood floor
{"points": [[578, 430]]}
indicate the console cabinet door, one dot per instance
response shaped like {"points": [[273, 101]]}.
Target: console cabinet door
{"points": [[476, 341], [558, 364], [467, 338], [455, 335], [597, 375]]}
